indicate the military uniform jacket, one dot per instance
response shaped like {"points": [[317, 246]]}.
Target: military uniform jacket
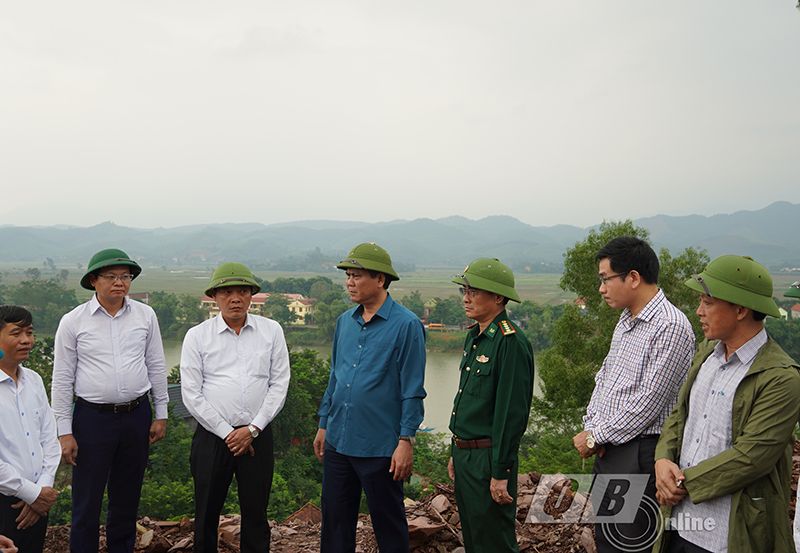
{"points": [[495, 391]]}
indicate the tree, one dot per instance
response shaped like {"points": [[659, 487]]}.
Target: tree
{"points": [[33, 273], [41, 359], [276, 307], [449, 311], [46, 300], [414, 303], [581, 337]]}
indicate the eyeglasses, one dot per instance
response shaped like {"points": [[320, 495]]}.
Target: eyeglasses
{"points": [[471, 292], [604, 280], [115, 278]]}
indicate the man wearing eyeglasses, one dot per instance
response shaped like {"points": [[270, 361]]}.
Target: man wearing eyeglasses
{"points": [[490, 410], [637, 385], [108, 353], [372, 407]]}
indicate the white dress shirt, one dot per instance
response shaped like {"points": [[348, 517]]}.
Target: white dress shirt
{"points": [[29, 448], [107, 359], [230, 380]]}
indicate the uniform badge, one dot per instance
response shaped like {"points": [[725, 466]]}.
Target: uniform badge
{"points": [[482, 359], [507, 328]]}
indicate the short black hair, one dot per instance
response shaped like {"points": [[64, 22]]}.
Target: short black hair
{"points": [[16, 315], [374, 275], [629, 253], [758, 315]]}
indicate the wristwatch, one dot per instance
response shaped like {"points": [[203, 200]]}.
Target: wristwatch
{"points": [[254, 432], [409, 439], [590, 443]]}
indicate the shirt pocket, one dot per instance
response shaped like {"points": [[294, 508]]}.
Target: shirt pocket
{"points": [[480, 382], [262, 362]]}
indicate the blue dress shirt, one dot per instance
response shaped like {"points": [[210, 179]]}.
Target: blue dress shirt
{"points": [[376, 385]]}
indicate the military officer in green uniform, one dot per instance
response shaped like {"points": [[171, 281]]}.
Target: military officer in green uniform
{"points": [[490, 411]]}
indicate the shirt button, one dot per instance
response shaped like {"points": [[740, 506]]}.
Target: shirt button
{"points": [[478, 371], [459, 391], [360, 346], [354, 364], [348, 385], [474, 346], [454, 413], [467, 369], [698, 439], [705, 416]]}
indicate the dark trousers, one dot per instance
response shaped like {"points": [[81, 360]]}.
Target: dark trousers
{"points": [[213, 466], [679, 545], [488, 527], [343, 478], [112, 449], [30, 540], [634, 457]]}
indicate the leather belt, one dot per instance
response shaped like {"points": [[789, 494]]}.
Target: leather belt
{"points": [[113, 407], [472, 444]]}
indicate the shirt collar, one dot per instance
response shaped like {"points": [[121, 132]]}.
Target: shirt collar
{"points": [[648, 311], [94, 305], [383, 312], [493, 328], [221, 326], [747, 352]]}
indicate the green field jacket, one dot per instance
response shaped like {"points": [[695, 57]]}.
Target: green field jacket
{"points": [[756, 471]]}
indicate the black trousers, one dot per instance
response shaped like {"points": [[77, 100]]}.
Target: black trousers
{"points": [[213, 466], [30, 540], [634, 457], [343, 478], [112, 451]]}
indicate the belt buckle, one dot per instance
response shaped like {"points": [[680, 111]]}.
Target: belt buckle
{"points": [[118, 406]]}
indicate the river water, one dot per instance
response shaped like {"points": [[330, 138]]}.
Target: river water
{"points": [[441, 381]]}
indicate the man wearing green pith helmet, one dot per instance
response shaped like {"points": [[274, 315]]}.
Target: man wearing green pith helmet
{"points": [[234, 379], [490, 411], [724, 458], [371, 409]]}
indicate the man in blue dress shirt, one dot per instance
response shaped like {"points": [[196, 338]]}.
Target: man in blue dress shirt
{"points": [[372, 408]]}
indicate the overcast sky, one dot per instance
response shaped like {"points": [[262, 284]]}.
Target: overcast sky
{"points": [[170, 113]]}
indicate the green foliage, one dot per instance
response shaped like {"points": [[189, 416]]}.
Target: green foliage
{"points": [[414, 303], [436, 341], [41, 359], [61, 511], [431, 455], [276, 307], [46, 300], [176, 314], [297, 420], [537, 321], [449, 311], [326, 314], [550, 453], [786, 333]]}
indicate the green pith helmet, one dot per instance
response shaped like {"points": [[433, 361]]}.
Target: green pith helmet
{"points": [[490, 275], [739, 280], [109, 258], [371, 257], [794, 291], [232, 274]]}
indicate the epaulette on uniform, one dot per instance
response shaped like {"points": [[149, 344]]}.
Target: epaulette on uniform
{"points": [[507, 329]]}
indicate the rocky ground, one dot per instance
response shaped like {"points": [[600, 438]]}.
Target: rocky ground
{"points": [[433, 525]]}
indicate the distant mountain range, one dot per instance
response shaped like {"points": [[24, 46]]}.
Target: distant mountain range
{"points": [[770, 235]]}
